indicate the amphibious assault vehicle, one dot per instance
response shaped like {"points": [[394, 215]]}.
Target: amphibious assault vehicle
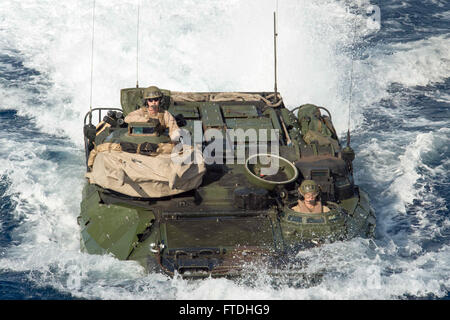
{"points": [[226, 212]]}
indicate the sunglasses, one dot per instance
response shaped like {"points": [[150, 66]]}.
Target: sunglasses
{"points": [[153, 99]]}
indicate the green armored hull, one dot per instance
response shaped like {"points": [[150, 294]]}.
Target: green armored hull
{"points": [[238, 215]]}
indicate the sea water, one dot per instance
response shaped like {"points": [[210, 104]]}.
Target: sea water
{"points": [[395, 66]]}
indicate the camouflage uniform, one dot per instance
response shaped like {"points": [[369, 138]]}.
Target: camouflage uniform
{"points": [[165, 118]]}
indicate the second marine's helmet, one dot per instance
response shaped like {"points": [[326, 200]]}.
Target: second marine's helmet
{"points": [[308, 186]]}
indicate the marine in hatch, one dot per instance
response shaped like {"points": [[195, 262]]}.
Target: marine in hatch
{"points": [[151, 110], [309, 202]]}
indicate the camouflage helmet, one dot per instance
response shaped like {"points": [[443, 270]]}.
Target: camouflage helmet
{"points": [[308, 186], [152, 92]]}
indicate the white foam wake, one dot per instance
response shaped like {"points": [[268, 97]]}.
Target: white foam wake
{"points": [[183, 46], [186, 46]]}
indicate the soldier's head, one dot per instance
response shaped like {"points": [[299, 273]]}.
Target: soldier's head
{"points": [[152, 97], [309, 190]]}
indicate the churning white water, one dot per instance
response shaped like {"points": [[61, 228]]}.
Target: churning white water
{"points": [[213, 46]]}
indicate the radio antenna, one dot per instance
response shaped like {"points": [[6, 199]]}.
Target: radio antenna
{"points": [[351, 84], [92, 59], [137, 45], [275, 34]]}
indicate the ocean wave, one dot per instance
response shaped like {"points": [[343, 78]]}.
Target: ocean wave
{"points": [[220, 46]]}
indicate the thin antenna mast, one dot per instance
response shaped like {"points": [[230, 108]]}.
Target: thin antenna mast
{"points": [[347, 153], [137, 45], [92, 60], [275, 34], [351, 85]]}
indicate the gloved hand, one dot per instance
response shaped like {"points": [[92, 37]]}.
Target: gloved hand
{"points": [[160, 129], [147, 148], [128, 147], [181, 122]]}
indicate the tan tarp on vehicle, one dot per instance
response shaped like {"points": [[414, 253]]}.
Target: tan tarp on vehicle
{"points": [[224, 96], [146, 176]]}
